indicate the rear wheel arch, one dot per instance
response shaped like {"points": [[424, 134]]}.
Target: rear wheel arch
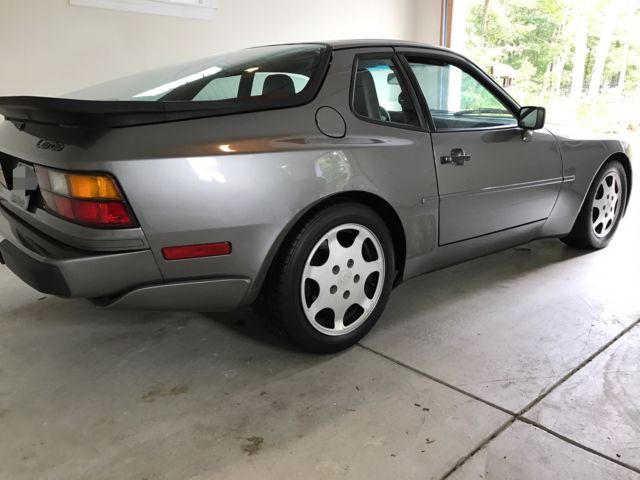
{"points": [[373, 201]]}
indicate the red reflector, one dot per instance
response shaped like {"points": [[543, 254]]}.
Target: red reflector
{"points": [[105, 214], [197, 251]]}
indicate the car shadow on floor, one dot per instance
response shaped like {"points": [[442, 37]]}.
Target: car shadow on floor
{"points": [[246, 322], [497, 271]]}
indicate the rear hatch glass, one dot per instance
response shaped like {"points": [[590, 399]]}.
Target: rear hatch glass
{"points": [[275, 72]]}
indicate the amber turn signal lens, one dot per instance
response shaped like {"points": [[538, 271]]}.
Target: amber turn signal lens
{"points": [[78, 185], [92, 186]]}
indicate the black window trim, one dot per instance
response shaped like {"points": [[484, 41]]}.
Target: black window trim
{"points": [[467, 67], [404, 84]]}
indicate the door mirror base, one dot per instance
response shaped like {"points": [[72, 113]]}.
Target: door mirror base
{"points": [[527, 135]]}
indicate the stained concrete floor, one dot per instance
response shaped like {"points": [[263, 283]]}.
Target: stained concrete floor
{"points": [[520, 365]]}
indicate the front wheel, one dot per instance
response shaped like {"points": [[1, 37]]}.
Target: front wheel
{"points": [[602, 209], [334, 278]]}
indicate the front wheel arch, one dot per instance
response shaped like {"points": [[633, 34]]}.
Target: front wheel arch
{"points": [[581, 234], [626, 164]]}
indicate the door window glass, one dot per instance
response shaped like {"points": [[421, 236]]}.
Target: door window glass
{"points": [[379, 95], [457, 100]]}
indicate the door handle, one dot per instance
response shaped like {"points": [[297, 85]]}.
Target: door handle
{"points": [[457, 157]]}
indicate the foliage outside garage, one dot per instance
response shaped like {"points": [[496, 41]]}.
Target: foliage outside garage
{"points": [[579, 58]]}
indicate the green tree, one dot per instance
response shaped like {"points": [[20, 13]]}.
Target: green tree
{"points": [[553, 35], [517, 33]]}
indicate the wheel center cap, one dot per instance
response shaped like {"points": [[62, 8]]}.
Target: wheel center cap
{"points": [[344, 279]]}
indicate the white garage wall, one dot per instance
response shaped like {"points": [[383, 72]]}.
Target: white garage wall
{"points": [[49, 48], [427, 21]]}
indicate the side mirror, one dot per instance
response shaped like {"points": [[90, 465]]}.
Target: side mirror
{"points": [[392, 79], [531, 118]]}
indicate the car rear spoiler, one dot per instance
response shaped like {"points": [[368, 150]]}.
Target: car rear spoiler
{"points": [[110, 114]]}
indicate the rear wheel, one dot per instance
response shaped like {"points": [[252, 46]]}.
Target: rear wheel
{"points": [[602, 209], [334, 277]]}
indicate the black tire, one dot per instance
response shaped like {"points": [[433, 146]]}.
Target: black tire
{"points": [[283, 292], [583, 235]]}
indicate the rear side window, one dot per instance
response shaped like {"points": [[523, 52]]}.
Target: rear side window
{"points": [[297, 80], [281, 84], [222, 88], [379, 93], [284, 73]]}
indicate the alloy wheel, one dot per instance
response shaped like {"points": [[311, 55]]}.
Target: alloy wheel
{"points": [[342, 279], [606, 204]]}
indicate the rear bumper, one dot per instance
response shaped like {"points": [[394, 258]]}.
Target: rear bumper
{"points": [[42, 276], [57, 269], [126, 280]]}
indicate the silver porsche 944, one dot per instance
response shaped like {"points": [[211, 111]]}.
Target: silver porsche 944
{"points": [[306, 179]]}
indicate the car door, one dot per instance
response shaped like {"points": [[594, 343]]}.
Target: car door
{"points": [[492, 175]]}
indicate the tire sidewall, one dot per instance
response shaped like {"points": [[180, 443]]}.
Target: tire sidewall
{"points": [[295, 320]]}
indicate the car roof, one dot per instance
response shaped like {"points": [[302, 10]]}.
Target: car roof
{"points": [[362, 43]]}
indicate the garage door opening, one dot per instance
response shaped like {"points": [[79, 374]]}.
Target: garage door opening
{"points": [[579, 58]]}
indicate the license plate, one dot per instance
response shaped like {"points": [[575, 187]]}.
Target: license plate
{"points": [[24, 183]]}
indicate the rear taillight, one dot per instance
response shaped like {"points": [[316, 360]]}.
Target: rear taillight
{"points": [[93, 200]]}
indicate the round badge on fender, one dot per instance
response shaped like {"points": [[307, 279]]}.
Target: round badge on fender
{"points": [[330, 122]]}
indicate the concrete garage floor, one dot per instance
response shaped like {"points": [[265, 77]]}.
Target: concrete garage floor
{"points": [[520, 365]]}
